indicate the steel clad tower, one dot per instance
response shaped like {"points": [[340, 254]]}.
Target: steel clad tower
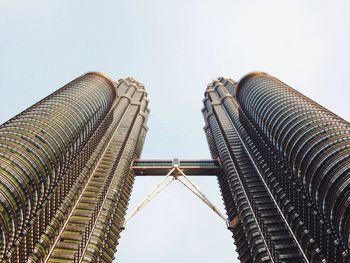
{"points": [[65, 176], [67, 166], [285, 175]]}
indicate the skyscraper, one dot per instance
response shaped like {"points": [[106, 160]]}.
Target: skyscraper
{"points": [[285, 170], [64, 171], [68, 162]]}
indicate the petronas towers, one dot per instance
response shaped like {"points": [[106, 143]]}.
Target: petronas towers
{"points": [[285, 170], [66, 170]]}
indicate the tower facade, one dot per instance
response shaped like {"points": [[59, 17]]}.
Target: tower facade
{"points": [[65, 176], [285, 170], [68, 162]]}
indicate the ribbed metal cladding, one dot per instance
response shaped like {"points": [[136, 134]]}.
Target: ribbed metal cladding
{"points": [[261, 232], [224, 179], [35, 145], [68, 157], [292, 159], [314, 141]]}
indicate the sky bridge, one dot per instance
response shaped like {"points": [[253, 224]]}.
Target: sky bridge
{"points": [[176, 170], [160, 167]]}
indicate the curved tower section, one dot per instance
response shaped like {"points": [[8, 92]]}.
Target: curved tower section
{"points": [[314, 141], [294, 155], [50, 153]]}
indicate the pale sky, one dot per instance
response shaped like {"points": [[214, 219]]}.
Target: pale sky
{"points": [[175, 48]]}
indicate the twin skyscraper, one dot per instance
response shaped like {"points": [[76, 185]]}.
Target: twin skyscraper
{"points": [[66, 170]]}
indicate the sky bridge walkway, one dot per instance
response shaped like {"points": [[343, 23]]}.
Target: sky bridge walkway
{"points": [[199, 167], [176, 170]]}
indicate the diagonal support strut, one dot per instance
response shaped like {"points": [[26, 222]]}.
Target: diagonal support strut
{"points": [[156, 190], [199, 194], [164, 183]]}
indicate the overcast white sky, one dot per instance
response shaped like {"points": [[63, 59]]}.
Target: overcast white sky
{"points": [[175, 48]]}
